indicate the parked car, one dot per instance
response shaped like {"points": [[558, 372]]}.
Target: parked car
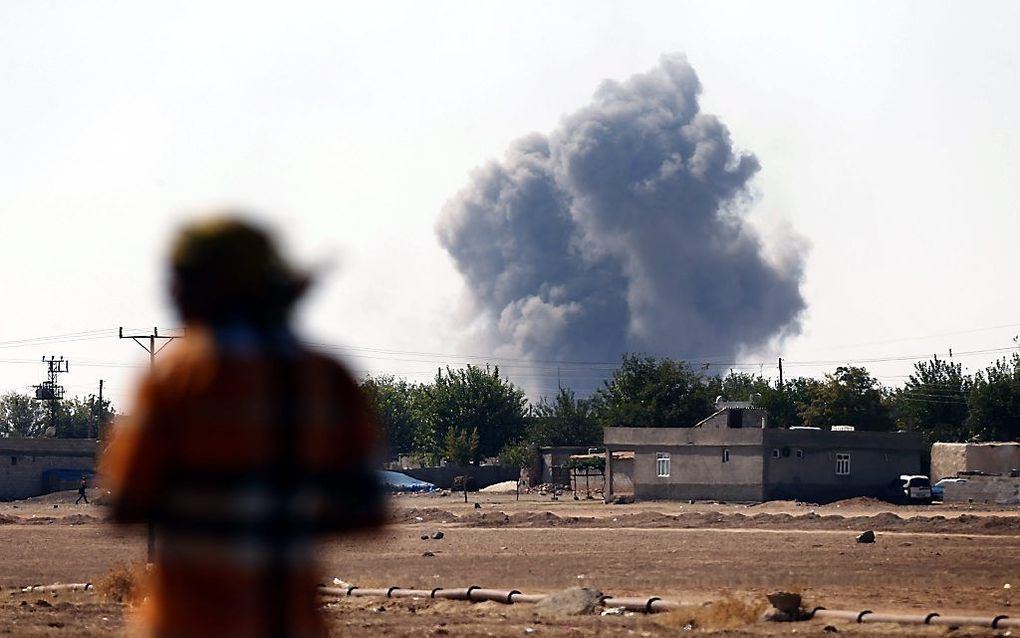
{"points": [[916, 488], [938, 491]]}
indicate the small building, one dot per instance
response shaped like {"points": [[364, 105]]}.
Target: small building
{"points": [[553, 463], [31, 467], [950, 459], [733, 456]]}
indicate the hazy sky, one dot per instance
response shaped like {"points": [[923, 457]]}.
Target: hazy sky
{"points": [[886, 134]]}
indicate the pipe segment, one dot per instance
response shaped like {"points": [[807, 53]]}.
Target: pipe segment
{"points": [[651, 604]]}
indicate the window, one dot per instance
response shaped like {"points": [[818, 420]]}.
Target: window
{"points": [[14, 460], [800, 454], [843, 463], [725, 456], [661, 464], [775, 453]]}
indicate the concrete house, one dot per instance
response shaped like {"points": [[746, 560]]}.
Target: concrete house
{"points": [[733, 456]]}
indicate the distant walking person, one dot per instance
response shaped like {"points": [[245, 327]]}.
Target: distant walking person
{"points": [[243, 448], [81, 491]]}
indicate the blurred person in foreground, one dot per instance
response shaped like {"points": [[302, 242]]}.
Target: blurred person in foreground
{"points": [[242, 448]]}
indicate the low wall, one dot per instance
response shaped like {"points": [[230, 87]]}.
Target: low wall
{"points": [[1000, 490], [23, 462], [484, 475]]}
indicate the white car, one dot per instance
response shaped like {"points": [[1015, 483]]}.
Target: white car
{"points": [[916, 488], [938, 491]]}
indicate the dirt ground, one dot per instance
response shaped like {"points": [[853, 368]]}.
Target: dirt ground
{"points": [[719, 560]]}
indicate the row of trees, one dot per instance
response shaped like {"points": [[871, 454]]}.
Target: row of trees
{"points": [[21, 415], [467, 414], [472, 413]]}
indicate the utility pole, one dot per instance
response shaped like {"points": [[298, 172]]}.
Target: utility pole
{"points": [[99, 419], [97, 415], [153, 351], [781, 391], [49, 390]]}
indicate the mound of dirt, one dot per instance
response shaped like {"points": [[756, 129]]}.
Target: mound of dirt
{"points": [[9, 520], [1000, 523], [860, 501], [78, 519], [421, 515], [534, 519], [644, 519]]}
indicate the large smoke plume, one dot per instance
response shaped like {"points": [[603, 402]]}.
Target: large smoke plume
{"points": [[623, 230]]}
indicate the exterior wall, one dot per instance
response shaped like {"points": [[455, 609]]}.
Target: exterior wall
{"points": [[23, 461], [484, 475], [1000, 490], [876, 459], [750, 418], [623, 476], [552, 460], [948, 459], [697, 470]]}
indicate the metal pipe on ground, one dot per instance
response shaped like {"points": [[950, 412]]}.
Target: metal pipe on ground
{"points": [[933, 618], [652, 604], [648, 605], [505, 596], [59, 587], [527, 598]]}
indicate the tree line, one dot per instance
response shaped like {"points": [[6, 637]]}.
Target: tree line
{"points": [[468, 414], [465, 415], [22, 415]]}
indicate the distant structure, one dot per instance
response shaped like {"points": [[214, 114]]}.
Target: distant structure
{"points": [[49, 390], [950, 459], [733, 456], [30, 467]]}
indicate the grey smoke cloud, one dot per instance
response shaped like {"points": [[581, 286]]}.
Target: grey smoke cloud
{"points": [[623, 230]]}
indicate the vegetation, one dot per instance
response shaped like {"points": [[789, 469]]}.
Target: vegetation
{"points": [[23, 416], [469, 414]]}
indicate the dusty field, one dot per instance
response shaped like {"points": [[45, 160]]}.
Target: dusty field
{"points": [[949, 559]]}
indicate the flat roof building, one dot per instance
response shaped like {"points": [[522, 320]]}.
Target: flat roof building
{"points": [[733, 456]]}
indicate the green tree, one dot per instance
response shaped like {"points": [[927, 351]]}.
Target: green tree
{"points": [[460, 446], [469, 399], [566, 420], [77, 417], [394, 402], [521, 455], [649, 392], [850, 396], [21, 416], [934, 400], [995, 402]]}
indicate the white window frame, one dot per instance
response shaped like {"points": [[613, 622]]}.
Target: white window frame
{"points": [[726, 456], [842, 464], [662, 463]]}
